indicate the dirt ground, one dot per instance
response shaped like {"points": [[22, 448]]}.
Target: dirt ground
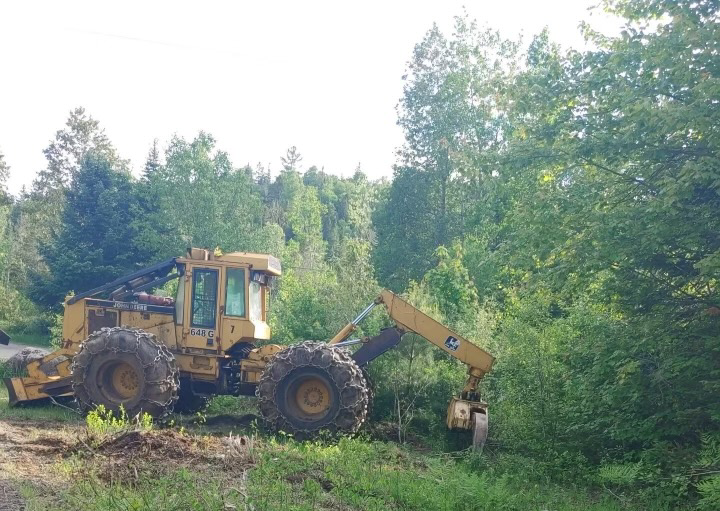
{"points": [[9, 498], [27, 451], [30, 451]]}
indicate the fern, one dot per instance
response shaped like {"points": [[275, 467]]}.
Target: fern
{"points": [[706, 468], [709, 490], [710, 451], [620, 474]]}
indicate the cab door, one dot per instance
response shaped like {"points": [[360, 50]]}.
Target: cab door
{"points": [[233, 311], [200, 330]]}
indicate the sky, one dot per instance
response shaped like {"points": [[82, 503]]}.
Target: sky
{"points": [[259, 76]]}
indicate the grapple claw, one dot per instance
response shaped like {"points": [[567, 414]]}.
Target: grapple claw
{"points": [[480, 430]]}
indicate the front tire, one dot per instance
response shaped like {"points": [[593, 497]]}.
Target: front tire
{"points": [[128, 368], [313, 386]]}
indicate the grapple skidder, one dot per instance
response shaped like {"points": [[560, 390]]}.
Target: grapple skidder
{"points": [[124, 347]]}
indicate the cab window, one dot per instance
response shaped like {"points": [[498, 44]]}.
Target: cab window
{"points": [[255, 301], [204, 298], [235, 292]]}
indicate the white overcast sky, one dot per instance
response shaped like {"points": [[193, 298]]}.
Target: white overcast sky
{"points": [[260, 76]]}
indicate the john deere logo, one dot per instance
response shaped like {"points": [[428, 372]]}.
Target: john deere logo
{"points": [[452, 343]]}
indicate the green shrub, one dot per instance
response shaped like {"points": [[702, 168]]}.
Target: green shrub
{"points": [[709, 490], [102, 422]]}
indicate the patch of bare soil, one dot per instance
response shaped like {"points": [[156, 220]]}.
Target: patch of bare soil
{"points": [[387, 432], [9, 498], [125, 457], [299, 478], [28, 449]]}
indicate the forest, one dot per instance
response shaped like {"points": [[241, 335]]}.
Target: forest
{"points": [[559, 207]]}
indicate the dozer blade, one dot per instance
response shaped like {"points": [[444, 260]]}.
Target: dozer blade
{"points": [[47, 377], [12, 395], [480, 430]]}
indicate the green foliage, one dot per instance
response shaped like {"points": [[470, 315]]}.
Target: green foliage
{"points": [[102, 422], [450, 285], [196, 198], [619, 474], [560, 208], [95, 243], [375, 476], [707, 470], [709, 490]]}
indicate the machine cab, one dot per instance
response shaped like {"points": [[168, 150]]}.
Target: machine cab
{"points": [[222, 299]]}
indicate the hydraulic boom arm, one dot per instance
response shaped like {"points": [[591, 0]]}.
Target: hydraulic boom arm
{"points": [[410, 319], [465, 412]]}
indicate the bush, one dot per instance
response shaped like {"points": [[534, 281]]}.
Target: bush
{"points": [[102, 422]]}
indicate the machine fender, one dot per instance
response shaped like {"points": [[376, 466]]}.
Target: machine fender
{"points": [[376, 346]]}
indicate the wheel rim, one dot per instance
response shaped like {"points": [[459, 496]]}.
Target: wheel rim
{"points": [[120, 381], [309, 397], [313, 397]]}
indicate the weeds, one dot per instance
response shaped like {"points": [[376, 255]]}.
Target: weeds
{"points": [[6, 371], [378, 476], [33, 411], [130, 466], [102, 422]]}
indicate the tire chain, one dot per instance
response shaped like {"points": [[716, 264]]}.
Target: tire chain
{"points": [[351, 384], [81, 363]]}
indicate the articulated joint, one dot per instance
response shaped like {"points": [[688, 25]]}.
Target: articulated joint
{"points": [[475, 375]]}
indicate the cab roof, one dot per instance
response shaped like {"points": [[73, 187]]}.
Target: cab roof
{"points": [[259, 262]]}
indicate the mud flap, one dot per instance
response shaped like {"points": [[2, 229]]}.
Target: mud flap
{"points": [[384, 341]]}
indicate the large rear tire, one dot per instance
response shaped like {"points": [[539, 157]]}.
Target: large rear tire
{"points": [[128, 368], [313, 386]]}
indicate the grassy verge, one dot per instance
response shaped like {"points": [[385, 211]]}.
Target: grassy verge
{"points": [[35, 336], [360, 474], [30, 339], [196, 465], [289, 476]]}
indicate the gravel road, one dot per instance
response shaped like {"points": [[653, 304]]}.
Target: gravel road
{"points": [[8, 351]]}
